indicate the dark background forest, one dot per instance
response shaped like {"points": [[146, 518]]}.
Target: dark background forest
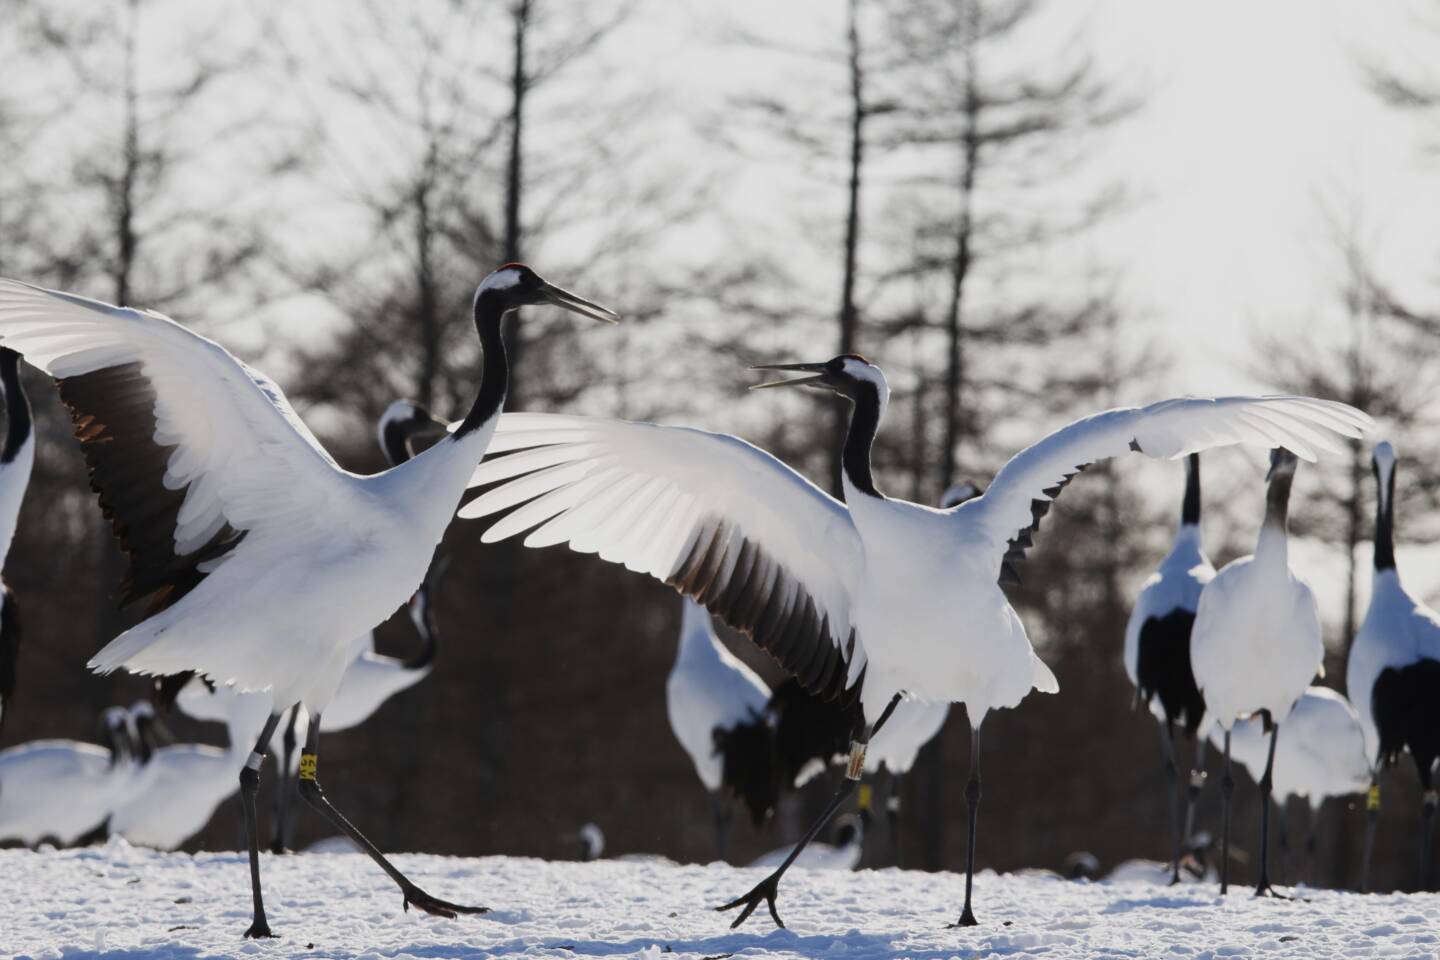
{"points": [[934, 183]]}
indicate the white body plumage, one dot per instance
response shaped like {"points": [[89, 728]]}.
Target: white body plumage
{"points": [[1320, 753]]}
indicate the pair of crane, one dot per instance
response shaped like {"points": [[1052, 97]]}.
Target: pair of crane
{"points": [[261, 558]]}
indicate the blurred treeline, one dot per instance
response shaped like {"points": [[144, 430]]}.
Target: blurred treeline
{"points": [[320, 186]]}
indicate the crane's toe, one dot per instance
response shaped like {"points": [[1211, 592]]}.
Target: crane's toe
{"points": [[764, 892], [436, 907]]}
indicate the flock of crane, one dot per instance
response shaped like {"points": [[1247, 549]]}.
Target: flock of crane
{"points": [[261, 562]]}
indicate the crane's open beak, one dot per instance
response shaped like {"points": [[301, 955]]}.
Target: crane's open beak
{"points": [[577, 304], [817, 368]]}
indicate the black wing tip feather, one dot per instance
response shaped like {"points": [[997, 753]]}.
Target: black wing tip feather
{"points": [[1025, 538], [1163, 669], [750, 595], [113, 413], [809, 727], [1405, 703], [750, 766]]}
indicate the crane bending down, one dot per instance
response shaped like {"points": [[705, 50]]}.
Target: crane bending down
{"points": [[871, 599], [261, 559]]}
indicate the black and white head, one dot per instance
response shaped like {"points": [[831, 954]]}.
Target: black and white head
{"points": [[1283, 464], [959, 493], [401, 428], [1382, 461], [515, 285], [144, 729], [850, 375], [592, 842], [113, 729]]}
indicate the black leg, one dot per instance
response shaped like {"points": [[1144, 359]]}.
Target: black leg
{"points": [[972, 801], [1262, 886], [310, 790], [723, 811], [1282, 836], [1196, 784], [1312, 811], [1427, 835], [1227, 791], [766, 890], [284, 785], [1372, 819], [249, 786], [892, 815], [1172, 783]]}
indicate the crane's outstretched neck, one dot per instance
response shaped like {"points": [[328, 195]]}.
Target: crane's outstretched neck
{"points": [[17, 405], [1385, 516], [1190, 509], [864, 423], [1274, 539], [495, 371]]}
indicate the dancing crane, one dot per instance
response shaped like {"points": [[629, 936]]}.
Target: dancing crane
{"points": [[260, 558], [872, 599]]}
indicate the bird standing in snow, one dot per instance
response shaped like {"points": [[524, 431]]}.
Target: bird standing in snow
{"points": [[1157, 652], [716, 706], [872, 599], [16, 461], [1322, 755], [1256, 646], [1393, 674], [63, 791], [260, 558]]}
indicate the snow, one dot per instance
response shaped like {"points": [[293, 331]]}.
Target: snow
{"points": [[127, 903]]}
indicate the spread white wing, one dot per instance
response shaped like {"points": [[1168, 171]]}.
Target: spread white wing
{"points": [[721, 520], [191, 451], [1011, 508]]}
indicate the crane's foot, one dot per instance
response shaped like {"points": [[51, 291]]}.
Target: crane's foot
{"points": [[764, 892], [967, 919], [259, 930], [420, 900], [1265, 890]]}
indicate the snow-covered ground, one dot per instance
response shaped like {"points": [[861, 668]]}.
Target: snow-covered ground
{"points": [[122, 902]]}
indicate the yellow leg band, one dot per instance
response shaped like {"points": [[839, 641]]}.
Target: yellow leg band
{"points": [[866, 796], [308, 764], [1372, 797]]}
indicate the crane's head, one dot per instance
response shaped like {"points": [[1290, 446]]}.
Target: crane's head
{"points": [[403, 424], [515, 285], [1282, 463], [849, 375]]}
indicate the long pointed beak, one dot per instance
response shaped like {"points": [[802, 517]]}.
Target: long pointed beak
{"points": [[578, 304], [817, 368]]}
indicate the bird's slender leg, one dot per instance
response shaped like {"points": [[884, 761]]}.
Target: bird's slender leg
{"points": [[1372, 819], [249, 786], [1427, 834], [1172, 782], [972, 801], [892, 814], [1282, 830], [1267, 783], [722, 809], [284, 786], [1227, 791], [766, 890], [1196, 784], [1310, 819], [315, 796]]}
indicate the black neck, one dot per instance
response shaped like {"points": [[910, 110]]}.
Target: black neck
{"points": [[17, 405], [396, 433], [864, 422], [495, 373], [1385, 527], [1277, 500], [431, 646], [1190, 510]]}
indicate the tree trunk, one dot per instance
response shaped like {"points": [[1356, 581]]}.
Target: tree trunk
{"points": [[514, 182], [960, 264], [849, 317]]}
